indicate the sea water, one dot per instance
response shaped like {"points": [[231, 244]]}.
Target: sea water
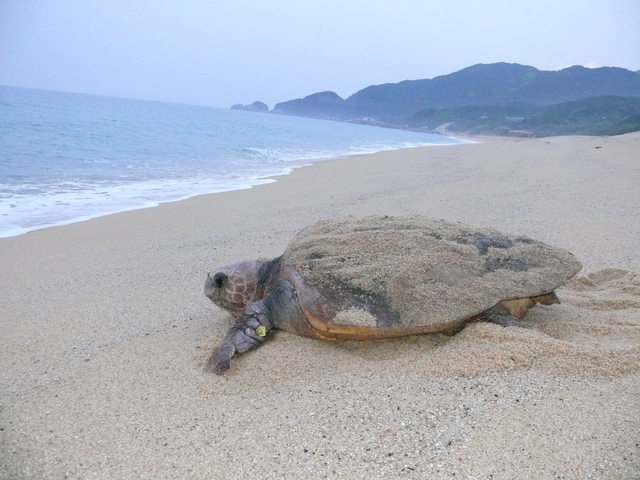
{"points": [[67, 157]]}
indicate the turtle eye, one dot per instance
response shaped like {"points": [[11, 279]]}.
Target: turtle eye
{"points": [[220, 279]]}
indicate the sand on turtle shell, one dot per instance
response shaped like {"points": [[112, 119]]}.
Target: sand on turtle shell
{"points": [[427, 271], [355, 316]]}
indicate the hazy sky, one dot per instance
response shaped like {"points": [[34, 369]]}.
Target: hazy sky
{"points": [[219, 53]]}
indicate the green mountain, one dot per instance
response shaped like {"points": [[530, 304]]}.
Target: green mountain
{"points": [[520, 93], [603, 115]]}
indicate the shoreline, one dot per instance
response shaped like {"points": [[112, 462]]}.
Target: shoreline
{"points": [[244, 185], [106, 333]]}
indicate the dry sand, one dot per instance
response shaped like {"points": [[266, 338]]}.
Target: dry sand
{"points": [[105, 333]]}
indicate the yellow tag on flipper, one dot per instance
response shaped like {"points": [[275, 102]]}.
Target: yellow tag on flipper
{"points": [[261, 330]]}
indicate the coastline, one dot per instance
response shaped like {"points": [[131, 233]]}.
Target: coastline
{"points": [[134, 161], [106, 333], [144, 202]]}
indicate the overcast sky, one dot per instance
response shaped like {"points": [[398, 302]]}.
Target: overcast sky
{"points": [[219, 53]]}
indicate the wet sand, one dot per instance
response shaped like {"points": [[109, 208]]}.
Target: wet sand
{"points": [[106, 334]]}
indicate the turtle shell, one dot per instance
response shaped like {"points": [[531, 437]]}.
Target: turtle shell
{"points": [[391, 276]]}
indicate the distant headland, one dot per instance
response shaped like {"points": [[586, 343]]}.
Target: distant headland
{"points": [[254, 107], [488, 99]]}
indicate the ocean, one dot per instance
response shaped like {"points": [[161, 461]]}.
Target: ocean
{"points": [[67, 157]]}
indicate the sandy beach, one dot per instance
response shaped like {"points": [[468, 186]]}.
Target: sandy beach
{"points": [[106, 334]]}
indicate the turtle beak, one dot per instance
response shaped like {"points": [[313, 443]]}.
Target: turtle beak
{"points": [[208, 286]]}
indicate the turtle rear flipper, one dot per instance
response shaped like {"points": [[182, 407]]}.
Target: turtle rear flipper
{"points": [[500, 315]]}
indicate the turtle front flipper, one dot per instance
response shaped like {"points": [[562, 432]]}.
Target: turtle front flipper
{"points": [[279, 310], [249, 330]]}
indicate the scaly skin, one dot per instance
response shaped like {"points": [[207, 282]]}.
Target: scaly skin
{"points": [[271, 303], [249, 330]]}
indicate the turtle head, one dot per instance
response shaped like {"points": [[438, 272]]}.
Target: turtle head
{"points": [[234, 286]]}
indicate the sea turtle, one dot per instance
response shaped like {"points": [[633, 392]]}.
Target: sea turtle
{"points": [[381, 277]]}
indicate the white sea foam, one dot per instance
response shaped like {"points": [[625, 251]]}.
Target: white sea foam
{"points": [[24, 213]]}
